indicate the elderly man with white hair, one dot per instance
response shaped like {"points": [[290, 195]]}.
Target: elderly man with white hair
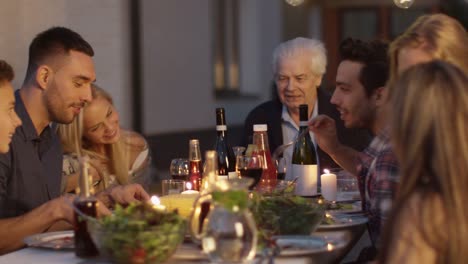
{"points": [[298, 68]]}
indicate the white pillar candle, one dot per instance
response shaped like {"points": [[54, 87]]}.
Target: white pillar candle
{"points": [[328, 185]]}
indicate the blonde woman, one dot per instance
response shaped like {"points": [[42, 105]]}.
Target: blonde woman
{"points": [[117, 156], [435, 36], [429, 222]]}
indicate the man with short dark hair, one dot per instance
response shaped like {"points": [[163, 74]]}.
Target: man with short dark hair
{"points": [[56, 87], [360, 97]]}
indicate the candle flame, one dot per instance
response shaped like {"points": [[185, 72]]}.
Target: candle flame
{"points": [[330, 247], [155, 200], [327, 215], [326, 171], [188, 186]]}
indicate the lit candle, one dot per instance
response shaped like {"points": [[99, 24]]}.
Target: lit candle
{"points": [[328, 185], [189, 190], [156, 203]]}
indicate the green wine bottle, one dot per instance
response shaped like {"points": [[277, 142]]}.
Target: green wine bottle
{"points": [[304, 160]]}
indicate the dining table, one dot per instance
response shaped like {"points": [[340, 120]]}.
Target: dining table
{"points": [[187, 252], [340, 239]]}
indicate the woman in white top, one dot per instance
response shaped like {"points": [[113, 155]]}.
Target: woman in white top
{"points": [[117, 156]]}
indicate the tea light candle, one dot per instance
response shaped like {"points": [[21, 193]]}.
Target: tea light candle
{"points": [[189, 190], [328, 185], [156, 203]]}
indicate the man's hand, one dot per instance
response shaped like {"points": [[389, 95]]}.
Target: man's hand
{"points": [[324, 129], [64, 207], [124, 194]]}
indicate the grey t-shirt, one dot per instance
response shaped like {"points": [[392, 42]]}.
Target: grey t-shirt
{"points": [[30, 173]]}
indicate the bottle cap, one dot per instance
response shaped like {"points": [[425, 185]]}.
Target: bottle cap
{"points": [[303, 112], [221, 128], [194, 142], [260, 127]]}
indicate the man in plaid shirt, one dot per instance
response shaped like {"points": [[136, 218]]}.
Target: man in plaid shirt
{"points": [[360, 97], [378, 181]]}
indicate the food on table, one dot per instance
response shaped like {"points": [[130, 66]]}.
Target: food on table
{"points": [[139, 234]]}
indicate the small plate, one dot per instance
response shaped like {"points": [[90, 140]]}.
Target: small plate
{"points": [[348, 196], [344, 220], [347, 207], [189, 252], [300, 245], [54, 240]]}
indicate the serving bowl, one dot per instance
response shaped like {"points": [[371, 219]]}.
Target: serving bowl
{"points": [[285, 215], [138, 234]]}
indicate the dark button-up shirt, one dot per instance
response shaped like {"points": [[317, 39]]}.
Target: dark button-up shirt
{"points": [[30, 173]]}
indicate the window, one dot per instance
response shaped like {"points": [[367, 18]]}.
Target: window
{"points": [[226, 48]]}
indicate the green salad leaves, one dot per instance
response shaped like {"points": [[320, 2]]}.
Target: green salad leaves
{"points": [[286, 215], [141, 234]]}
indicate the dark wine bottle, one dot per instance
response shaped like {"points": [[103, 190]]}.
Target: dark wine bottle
{"points": [[84, 246], [226, 158], [304, 159]]}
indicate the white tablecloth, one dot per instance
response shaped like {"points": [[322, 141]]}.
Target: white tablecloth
{"points": [[45, 256], [186, 254]]}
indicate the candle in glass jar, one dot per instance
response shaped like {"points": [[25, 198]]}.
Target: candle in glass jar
{"points": [[156, 203], [328, 185]]}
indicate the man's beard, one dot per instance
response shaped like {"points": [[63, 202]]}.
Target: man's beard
{"points": [[55, 107]]}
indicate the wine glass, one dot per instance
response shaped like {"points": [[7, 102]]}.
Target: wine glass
{"points": [[179, 169], [238, 150], [282, 164], [251, 167]]}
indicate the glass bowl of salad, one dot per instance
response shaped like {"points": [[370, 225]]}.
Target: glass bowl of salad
{"points": [[138, 233]]}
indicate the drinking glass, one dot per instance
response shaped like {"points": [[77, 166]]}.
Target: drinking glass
{"points": [[229, 232], [251, 167], [281, 167], [173, 186], [179, 169], [347, 185], [238, 150]]}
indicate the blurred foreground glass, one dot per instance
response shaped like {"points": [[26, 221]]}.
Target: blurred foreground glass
{"points": [[84, 246], [179, 169], [230, 234], [173, 186]]}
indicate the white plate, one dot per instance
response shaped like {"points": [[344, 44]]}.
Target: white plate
{"points": [[54, 240], [344, 220], [300, 245], [348, 196], [320, 248], [189, 251], [355, 207]]}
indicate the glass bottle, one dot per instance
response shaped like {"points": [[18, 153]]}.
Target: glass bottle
{"points": [[304, 159], [203, 204], [260, 139], [84, 246], [226, 158], [195, 171]]}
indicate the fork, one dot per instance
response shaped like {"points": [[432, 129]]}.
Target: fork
{"points": [[280, 149]]}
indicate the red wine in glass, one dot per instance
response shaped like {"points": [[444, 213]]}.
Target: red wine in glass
{"points": [[84, 246], [281, 175], [254, 173], [180, 177]]}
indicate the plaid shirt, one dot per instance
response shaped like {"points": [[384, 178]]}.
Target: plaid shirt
{"points": [[378, 182]]}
